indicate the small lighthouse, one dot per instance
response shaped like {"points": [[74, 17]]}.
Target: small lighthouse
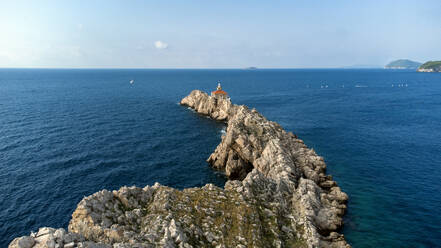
{"points": [[219, 93]]}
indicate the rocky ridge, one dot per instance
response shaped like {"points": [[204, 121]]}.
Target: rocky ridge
{"points": [[278, 195]]}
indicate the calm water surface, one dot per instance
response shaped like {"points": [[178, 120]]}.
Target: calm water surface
{"points": [[65, 134]]}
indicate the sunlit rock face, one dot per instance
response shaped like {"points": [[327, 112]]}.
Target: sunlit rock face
{"points": [[278, 195]]}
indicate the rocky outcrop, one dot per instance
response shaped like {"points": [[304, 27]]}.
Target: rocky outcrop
{"points": [[217, 108], [278, 195], [51, 237]]}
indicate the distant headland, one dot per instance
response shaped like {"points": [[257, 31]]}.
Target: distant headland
{"points": [[430, 66], [402, 64]]}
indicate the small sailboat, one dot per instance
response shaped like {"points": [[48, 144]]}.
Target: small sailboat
{"points": [[132, 81]]}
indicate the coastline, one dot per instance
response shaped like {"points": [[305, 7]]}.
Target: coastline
{"points": [[279, 195]]}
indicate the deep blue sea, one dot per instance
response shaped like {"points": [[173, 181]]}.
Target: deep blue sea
{"points": [[65, 134]]}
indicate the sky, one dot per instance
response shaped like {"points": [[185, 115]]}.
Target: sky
{"points": [[217, 34]]}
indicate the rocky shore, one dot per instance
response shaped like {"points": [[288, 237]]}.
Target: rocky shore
{"points": [[278, 195]]}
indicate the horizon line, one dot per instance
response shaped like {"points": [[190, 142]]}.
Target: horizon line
{"points": [[197, 68]]}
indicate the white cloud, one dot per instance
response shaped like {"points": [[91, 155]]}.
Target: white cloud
{"points": [[80, 26], [161, 45]]}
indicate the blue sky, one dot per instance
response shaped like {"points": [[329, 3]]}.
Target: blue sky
{"points": [[217, 34]]}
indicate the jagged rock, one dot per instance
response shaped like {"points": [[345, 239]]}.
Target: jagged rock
{"points": [[217, 108], [278, 196], [22, 242], [52, 238]]}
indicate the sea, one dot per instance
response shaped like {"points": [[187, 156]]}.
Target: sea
{"points": [[67, 133]]}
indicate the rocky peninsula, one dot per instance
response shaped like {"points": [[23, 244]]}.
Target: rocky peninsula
{"points": [[277, 195]]}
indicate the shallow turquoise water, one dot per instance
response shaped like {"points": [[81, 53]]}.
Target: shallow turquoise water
{"points": [[68, 133]]}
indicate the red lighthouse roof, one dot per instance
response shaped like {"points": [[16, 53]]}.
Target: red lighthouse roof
{"points": [[219, 91]]}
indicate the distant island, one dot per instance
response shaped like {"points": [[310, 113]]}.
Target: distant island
{"points": [[403, 64], [430, 66], [251, 68]]}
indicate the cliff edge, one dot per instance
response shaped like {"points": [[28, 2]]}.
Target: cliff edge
{"points": [[278, 195]]}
